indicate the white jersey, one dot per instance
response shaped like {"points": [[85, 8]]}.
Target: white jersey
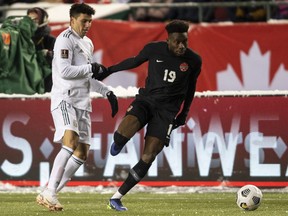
{"points": [[72, 71]]}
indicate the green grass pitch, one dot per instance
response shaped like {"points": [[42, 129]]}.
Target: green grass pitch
{"points": [[144, 204]]}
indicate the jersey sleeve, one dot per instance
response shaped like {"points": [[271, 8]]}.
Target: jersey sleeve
{"points": [[132, 62], [63, 55], [99, 87]]}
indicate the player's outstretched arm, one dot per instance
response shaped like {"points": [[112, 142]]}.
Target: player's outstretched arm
{"points": [[100, 72]]}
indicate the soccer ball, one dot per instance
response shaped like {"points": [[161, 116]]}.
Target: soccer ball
{"points": [[249, 197]]}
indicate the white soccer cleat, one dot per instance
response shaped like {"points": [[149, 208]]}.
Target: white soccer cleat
{"points": [[49, 200]]}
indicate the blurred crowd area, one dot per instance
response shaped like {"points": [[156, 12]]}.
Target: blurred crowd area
{"points": [[252, 13], [220, 13]]}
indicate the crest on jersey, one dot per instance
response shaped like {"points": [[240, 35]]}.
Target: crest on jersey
{"points": [[184, 67], [64, 53]]}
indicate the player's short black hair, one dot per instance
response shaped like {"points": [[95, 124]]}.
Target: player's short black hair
{"points": [[179, 26], [79, 8]]}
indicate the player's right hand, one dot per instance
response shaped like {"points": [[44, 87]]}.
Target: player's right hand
{"points": [[99, 71], [179, 120]]}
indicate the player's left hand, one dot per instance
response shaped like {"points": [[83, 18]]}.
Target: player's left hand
{"points": [[113, 102], [179, 120]]}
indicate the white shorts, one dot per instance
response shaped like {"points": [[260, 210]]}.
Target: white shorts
{"points": [[67, 117]]}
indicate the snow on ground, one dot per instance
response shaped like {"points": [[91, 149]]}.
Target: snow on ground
{"points": [[8, 188], [122, 92]]}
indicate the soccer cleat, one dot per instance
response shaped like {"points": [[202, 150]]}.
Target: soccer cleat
{"points": [[49, 200], [116, 204], [115, 149]]}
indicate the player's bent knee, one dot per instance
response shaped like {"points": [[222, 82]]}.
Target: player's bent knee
{"points": [[148, 158], [119, 139]]}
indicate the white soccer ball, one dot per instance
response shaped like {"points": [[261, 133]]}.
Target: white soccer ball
{"points": [[249, 197]]}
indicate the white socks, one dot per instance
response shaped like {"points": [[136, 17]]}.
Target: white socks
{"points": [[117, 195], [72, 166], [59, 167]]}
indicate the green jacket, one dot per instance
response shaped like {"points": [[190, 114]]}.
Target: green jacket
{"points": [[22, 70]]}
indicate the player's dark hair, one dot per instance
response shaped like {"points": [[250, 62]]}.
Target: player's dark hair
{"points": [[178, 26], [83, 8]]}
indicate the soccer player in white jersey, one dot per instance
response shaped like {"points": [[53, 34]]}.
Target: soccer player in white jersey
{"points": [[72, 69]]}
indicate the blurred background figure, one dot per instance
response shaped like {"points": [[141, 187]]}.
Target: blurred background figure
{"points": [[43, 40], [191, 14], [250, 13], [281, 11], [222, 13], [155, 14]]}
